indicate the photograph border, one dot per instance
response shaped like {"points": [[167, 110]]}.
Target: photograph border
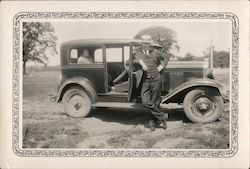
{"points": [[168, 153]]}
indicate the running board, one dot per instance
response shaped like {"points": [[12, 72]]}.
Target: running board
{"points": [[123, 105], [118, 105]]}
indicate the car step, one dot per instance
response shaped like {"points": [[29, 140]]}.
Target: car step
{"points": [[118, 105], [132, 105]]}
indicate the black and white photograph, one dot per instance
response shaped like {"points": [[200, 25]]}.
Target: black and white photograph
{"points": [[138, 84], [126, 85]]}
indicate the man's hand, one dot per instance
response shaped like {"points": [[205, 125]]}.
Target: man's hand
{"points": [[160, 67], [144, 66]]}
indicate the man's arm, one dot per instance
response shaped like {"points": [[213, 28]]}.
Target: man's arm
{"points": [[139, 59], [164, 60], [143, 65]]}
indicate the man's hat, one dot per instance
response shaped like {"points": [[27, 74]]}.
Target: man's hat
{"points": [[146, 39], [155, 44]]}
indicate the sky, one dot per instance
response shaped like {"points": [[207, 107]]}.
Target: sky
{"points": [[193, 36]]}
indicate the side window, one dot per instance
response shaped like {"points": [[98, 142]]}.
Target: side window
{"points": [[126, 53], [98, 56], [114, 54], [86, 55], [73, 55]]}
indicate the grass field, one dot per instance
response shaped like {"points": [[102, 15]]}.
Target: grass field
{"points": [[45, 125]]}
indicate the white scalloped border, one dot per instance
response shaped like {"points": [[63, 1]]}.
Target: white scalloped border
{"points": [[125, 153]]}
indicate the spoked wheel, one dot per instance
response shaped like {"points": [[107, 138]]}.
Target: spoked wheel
{"points": [[203, 105], [76, 102]]}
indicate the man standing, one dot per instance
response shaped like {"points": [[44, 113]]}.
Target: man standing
{"points": [[152, 62]]}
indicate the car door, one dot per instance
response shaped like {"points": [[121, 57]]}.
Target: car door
{"points": [[135, 74], [94, 71]]}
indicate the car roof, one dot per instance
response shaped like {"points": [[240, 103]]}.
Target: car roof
{"points": [[101, 42]]}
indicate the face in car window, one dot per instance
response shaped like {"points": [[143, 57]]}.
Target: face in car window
{"points": [[85, 57]]}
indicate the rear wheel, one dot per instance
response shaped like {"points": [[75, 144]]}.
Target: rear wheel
{"points": [[76, 102], [203, 105]]}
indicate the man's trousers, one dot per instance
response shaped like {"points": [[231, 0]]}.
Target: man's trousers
{"points": [[151, 96]]}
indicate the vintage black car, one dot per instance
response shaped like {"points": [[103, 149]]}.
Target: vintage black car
{"points": [[107, 79]]}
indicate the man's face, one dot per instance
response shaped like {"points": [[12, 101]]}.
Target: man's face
{"points": [[86, 52], [146, 46]]}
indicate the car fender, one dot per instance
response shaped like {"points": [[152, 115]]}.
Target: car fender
{"points": [[77, 81], [187, 86]]}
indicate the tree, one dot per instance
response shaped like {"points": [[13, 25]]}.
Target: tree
{"points": [[221, 59], [38, 40], [188, 57], [164, 36]]}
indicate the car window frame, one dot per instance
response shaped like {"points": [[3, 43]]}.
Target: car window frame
{"points": [[86, 46]]}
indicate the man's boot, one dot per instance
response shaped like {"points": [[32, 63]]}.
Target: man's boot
{"points": [[164, 121], [157, 123], [151, 125]]}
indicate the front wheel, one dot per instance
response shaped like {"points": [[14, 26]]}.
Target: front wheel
{"points": [[203, 105], [76, 102]]}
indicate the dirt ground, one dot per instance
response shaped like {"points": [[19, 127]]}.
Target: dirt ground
{"points": [[45, 125]]}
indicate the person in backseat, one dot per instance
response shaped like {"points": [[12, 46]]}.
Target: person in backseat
{"points": [[85, 58]]}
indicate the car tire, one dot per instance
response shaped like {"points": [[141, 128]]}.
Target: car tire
{"points": [[76, 102], [203, 105]]}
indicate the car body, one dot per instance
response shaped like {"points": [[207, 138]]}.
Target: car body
{"points": [[111, 80]]}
